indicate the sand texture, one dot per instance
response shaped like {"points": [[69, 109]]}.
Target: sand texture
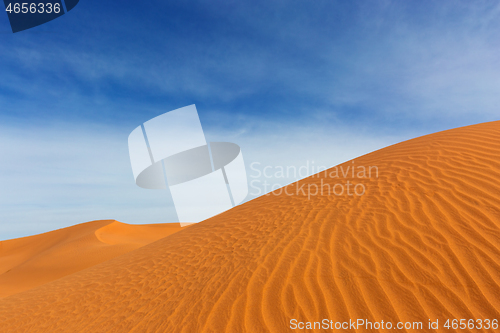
{"points": [[35, 260], [422, 242]]}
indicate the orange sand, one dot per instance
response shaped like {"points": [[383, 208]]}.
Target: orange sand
{"points": [[32, 261], [423, 242]]}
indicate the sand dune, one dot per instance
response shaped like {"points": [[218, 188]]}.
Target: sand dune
{"points": [[422, 243], [32, 261]]}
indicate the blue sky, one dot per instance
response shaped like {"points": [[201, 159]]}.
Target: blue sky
{"points": [[289, 81]]}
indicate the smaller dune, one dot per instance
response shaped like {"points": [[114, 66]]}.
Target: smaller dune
{"points": [[31, 261]]}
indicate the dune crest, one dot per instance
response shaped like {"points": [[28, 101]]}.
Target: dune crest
{"points": [[423, 242], [31, 261], [117, 233]]}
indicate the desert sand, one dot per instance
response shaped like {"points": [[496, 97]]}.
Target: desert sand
{"points": [[423, 242], [35, 260]]}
